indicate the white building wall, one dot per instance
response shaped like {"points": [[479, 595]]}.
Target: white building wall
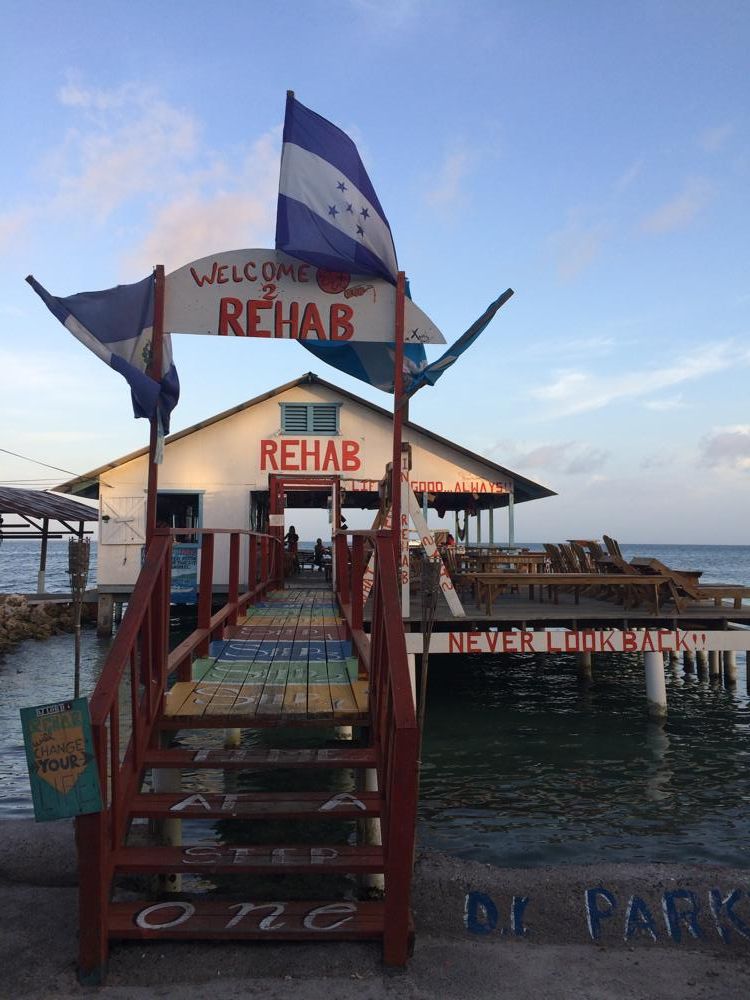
{"points": [[223, 461]]}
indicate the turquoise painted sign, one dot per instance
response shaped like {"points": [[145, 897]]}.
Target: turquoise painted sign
{"points": [[60, 755]]}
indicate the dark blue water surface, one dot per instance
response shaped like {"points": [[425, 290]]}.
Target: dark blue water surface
{"points": [[522, 766]]}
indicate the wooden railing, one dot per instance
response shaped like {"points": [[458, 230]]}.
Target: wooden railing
{"points": [[128, 700], [392, 716]]}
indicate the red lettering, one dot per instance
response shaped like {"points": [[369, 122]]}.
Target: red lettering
{"points": [[249, 271], [340, 323], [472, 642], [285, 269], [229, 312], [664, 633], [589, 642], [330, 458], [268, 270], [268, 455], [304, 273], [648, 644], [350, 460], [551, 647], [292, 323], [571, 642], [221, 274], [492, 638], [681, 641], [311, 323], [253, 319], [607, 644], [455, 642], [629, 643], [527, 642], [288, 448], [310, 450], [202, 279], [509, 642]]}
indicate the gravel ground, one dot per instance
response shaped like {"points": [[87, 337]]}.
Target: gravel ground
{"points": [[537, 944]]}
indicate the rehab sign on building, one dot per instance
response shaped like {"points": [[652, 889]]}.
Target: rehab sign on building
{"points": [[265, 293]]}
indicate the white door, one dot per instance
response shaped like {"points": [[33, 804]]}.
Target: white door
{"points": [[123, 521]]}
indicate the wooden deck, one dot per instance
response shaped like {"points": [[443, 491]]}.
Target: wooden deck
{"points": [[287, 662]]}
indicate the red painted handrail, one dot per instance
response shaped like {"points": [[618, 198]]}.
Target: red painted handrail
{"points": [[124, 727], [392, 717]]}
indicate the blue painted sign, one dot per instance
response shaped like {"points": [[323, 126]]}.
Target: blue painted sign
{"points": [[60, 756]]}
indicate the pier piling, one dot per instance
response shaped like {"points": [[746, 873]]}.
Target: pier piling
{"points": [[730, 668], [656, 687]]}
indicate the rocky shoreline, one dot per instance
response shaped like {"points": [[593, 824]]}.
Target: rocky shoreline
{"points": [[23, 619]]}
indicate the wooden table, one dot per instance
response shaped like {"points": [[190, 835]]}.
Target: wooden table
{"points": [[525, 562], [489, 585]]}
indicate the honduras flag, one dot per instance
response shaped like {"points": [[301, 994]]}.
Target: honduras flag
{"points": [[432, 372], [117, 324], [328, 213]]}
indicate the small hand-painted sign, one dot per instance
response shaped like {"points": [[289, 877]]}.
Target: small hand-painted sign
{"points": [[59, 752]]}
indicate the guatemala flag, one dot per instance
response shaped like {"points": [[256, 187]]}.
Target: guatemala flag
{"points": [[432, 372], [116, 324], [328, 213]]}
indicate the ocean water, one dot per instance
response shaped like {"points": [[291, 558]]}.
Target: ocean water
{"points": [[522, 766]]}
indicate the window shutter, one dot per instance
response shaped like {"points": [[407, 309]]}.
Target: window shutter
{"points": [[310, 418], [325, 418]]}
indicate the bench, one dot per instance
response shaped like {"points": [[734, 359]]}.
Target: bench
{"points": [[489, 585]]}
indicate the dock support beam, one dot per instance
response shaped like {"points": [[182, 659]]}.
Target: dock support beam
{"points": [[585, 669], [104, 612], [511, 521], [688, 662], [701, 659], [714, 664], [656, 687], [730, 668], [232, 738]]}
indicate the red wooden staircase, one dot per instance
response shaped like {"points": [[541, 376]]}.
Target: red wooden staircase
{"points": [[270, 846]]}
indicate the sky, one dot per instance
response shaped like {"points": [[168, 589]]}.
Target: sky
{"points": [[593, 156]]}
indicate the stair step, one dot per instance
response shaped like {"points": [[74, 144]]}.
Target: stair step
{"points": [[258, 805], [264, 758], [250, 859], [230, 919]]}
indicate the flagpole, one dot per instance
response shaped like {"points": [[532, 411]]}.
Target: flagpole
{"points": [[155, 371], [398, 417]]}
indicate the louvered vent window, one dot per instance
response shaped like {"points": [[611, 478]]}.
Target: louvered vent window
{"points": [[310, 418]]}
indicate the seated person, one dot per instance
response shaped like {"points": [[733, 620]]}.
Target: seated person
{"points": [[318, 553]]}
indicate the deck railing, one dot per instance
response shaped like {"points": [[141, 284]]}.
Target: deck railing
{"points": [[392, 715], [128, 699]]}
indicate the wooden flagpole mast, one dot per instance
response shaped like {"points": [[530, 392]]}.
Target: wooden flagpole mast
{"points": [[156, 373], [398, 418]]}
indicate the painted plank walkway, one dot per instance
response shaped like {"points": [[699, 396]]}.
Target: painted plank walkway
{"points": [[288, 661]]}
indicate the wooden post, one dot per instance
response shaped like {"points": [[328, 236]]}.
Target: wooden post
{"points": [[701, 659], [730, 668], [688, 662], [155, 371], [205, 593], [104, 609], [492, 525], [398, 415], [656, 687], [511, 520], [714, 664], [40, 580], [585, 672]]}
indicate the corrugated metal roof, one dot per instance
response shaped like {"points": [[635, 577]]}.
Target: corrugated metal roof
{"points": [[34, 503]]}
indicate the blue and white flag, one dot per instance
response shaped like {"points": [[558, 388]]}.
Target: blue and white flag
{"points": [[328, 213], [432, 372], [117, 324], [373, 363]]}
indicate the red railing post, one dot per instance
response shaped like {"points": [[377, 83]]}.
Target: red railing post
{"points": [[234, 575], [205, 594], [264, 563], [252, 563], [342, 568], [358, 568]]}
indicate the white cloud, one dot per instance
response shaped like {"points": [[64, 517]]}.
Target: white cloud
{"points": [[193, 225], [680, 211], [713, 139], [579, 391], [665, 404], [576, 247], [568, 458], [630, 176], [727, 447], [446, 190]]}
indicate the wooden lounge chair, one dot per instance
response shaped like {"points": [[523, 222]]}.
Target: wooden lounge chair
{"points": [[685, 587]]}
